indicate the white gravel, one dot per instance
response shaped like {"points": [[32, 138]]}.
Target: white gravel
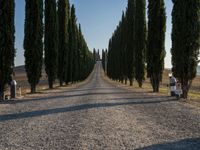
{"points": [[99, 115]]}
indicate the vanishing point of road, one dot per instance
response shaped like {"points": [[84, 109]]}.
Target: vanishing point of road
{"points": [[99, 115]]}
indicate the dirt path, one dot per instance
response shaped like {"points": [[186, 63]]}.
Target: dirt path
{"points": [[97, 116]]}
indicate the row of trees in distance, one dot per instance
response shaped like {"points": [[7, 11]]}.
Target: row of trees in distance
{"points": [[138, 47], [58, 43]]}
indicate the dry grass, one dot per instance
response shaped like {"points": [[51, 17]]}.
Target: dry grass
{"points": [[22, 81], [194, 93], [20, 77]]}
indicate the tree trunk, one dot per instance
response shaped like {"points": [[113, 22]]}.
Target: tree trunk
{"points": [[2, 88], [33, 89], [140, 84], [157, 87], [122, 80], [66, 82], [152, 83], [1, 94], [50, 84], [131, 82], [125, 81], [155, 83], [61, 83], [185, 89]]}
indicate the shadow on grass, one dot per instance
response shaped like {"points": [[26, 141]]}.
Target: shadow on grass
{"points": [[38, 113], [186, 144]]}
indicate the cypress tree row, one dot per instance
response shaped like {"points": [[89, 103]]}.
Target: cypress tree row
{"points": [[126, 50], [7, 39], [75, 61], [51, 41], [33, 43], [156, 42], [114, 58], [140, 43], [63, 38], [80, 60], [86, 61], [96, 55], [117, 67], [185, 41]]}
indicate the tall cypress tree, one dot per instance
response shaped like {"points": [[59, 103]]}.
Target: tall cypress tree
{"points": [[103, 59], [73, 45], [131, 40], [63, 38], [124, 46], [185, 41], [140, 43], [156, 42], [33, 43], [94, 54], [81, 54], [76, 59], [51, 41], [7, 50]]}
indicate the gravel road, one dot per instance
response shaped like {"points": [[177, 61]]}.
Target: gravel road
{"points": [[96, 116]]}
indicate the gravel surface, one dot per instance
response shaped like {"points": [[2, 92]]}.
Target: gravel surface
{"points": [[99, 115]]}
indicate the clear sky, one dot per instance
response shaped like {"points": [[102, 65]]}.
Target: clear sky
{"points": [[98, 19]]}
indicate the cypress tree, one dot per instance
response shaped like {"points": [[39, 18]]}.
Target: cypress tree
{"points": [[156, 42], [109, 72], [72, 45], [63, 38], [120, 51], [51, 41], [80, 59], [94, 54], [76, 58], [33, 44], [103, 59], [80, 53], [131, 40], [124, 46], [140, 43], [7, 38], [185, 41]]}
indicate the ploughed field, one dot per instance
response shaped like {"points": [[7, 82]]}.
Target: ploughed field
{"points": [[99, 114]]}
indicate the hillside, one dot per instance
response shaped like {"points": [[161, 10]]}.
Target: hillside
{"points": [[198, 70]]}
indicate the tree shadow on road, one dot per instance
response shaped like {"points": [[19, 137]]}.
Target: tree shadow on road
{"points": [[186, 144], [82, 90], [38, 113], [61, 97]]}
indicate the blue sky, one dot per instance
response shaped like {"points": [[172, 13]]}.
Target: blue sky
{"points": [[98, 19]]}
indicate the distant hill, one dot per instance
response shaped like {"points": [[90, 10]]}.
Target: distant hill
{"points": [[198, 70], [19, 69], [22, 70]]}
